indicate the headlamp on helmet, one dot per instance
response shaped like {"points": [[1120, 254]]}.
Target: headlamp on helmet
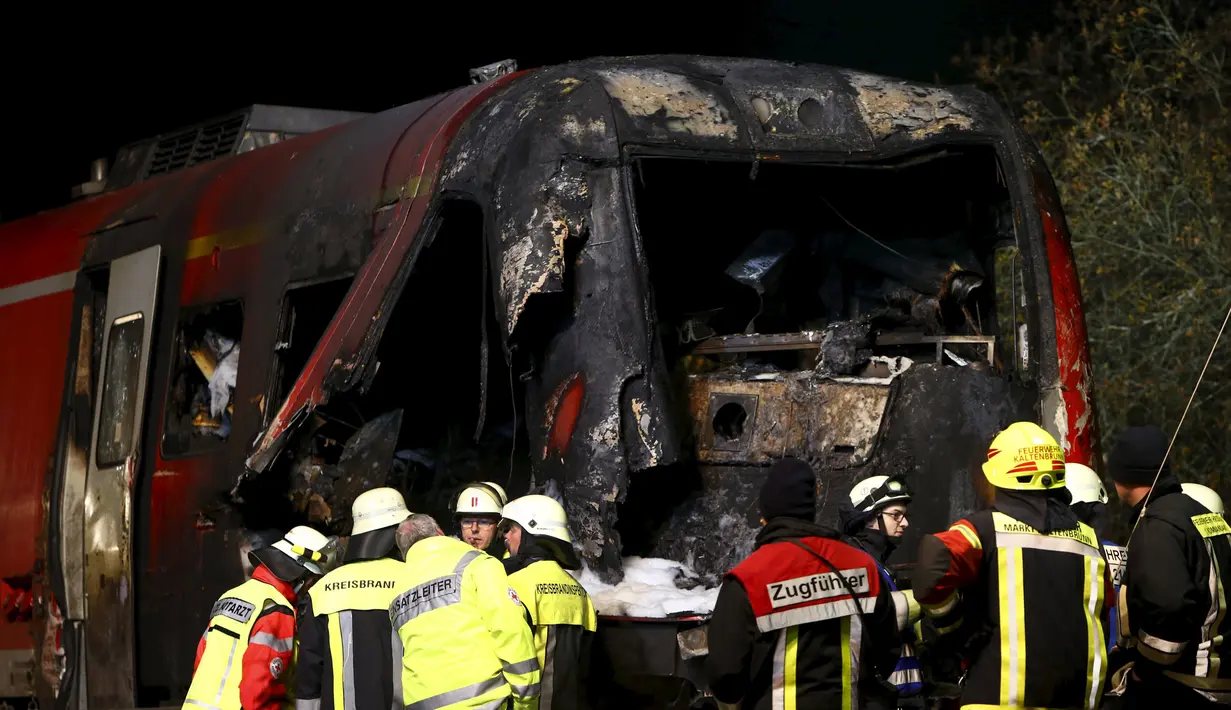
{"points": [[877, 492]]}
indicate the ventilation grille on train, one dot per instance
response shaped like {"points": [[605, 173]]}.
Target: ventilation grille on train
{"points": [[196, 145], [233, 133]]}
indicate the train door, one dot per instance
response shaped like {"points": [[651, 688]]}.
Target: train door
{"points": [[108, 659]]}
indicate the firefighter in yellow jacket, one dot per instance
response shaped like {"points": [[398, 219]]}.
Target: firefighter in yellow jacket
{"points": [[246, 655], [462, 626], [536, 533]]}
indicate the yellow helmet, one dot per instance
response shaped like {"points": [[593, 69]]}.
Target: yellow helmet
{"points": [[1024, 457]]}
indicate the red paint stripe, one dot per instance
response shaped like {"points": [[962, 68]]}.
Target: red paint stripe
{"points": [[1072, 349]]}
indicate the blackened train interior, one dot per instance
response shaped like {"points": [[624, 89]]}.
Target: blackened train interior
{"points": [[905, 249], [783, 275], [437, 407]]}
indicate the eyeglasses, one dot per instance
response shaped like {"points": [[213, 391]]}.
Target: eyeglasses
{"points": [[897, 515], [481, 522]]}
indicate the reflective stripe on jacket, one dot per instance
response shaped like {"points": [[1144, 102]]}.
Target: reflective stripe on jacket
{"points": [[1174, 597], [564, 623], [463, 629], [245, 658], [1032, 606], [907, 675], [349, 657]]}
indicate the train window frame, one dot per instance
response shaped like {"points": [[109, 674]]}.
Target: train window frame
{"points": [[182, 365], [282, 374]]}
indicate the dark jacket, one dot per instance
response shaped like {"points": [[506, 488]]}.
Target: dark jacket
{"points": [[352, 600], [1025, 579], [781, 613], [1167, 585]]}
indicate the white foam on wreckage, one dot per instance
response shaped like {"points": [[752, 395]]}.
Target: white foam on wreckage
{"points": [[648, 591]]}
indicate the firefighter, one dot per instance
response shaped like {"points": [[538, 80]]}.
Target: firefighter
{"points": [[1089, 501], [346, 633], [1173, 600], [246, 653], [1204, 495], [873, 517], [462, 626], [805, 621], [477, 513], [540, 549], [1023, 582]]}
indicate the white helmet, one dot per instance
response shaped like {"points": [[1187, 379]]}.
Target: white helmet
{"points": [[1205, 496], [545, 519], [300, 550], [484, 498], [376, 509], [877, 492], [540, 516], [1084, 484]]}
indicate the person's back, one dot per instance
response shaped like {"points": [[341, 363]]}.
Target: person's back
{"points": [[805, 621], [564, 621], [1174, 592], [1045, 597], [246, 655], [463, 630], [347, 657], [561, 613], [351, 604], [1023, 584]]}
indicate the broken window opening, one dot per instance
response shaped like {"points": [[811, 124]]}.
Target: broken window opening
{"points": [[307, 310], [413, 426], [200, 398], [767, 268]]}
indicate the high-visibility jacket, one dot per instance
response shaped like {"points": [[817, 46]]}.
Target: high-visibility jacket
{"points": [[1174, 602], [349, 656], [245, 658], [786, 632], [564, 623], [463, 629], [1031, 604], [907, 675]]}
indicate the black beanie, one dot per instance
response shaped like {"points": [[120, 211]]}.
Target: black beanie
{"points": [[789, 491], [1136, 456]]}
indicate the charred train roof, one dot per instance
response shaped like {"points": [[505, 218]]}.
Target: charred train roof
{"points": [[596, 107]]}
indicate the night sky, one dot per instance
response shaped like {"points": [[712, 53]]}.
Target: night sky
{"points": [[140, 82]]}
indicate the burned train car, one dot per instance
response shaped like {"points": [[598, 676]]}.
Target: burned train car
{"points": [[637, 281]]}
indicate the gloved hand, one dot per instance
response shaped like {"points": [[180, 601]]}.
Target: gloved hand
{"points": [[916, 612]]}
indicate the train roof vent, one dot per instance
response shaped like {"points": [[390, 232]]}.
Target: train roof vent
{"points": [[196, 145], [236, 132]]}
